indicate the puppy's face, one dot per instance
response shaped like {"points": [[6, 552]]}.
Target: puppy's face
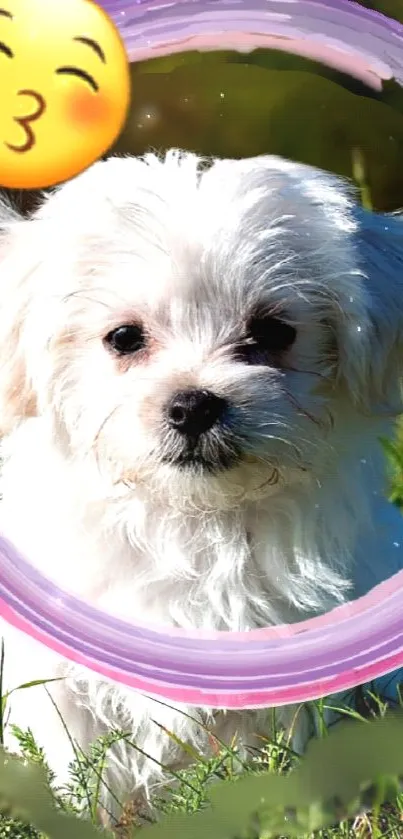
{"points": [[196, 331]]}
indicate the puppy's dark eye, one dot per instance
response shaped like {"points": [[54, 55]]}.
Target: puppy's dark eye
{"points": [[265, 336], [271, 335], [126, 339]]}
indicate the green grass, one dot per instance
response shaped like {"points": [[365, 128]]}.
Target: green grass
{"points": [[193, 788]]}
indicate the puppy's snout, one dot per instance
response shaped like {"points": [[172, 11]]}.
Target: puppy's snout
{"points": [[193, 412]]}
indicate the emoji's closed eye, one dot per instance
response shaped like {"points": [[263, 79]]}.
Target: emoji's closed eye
{"points": [[6, 50], [81, 74]]}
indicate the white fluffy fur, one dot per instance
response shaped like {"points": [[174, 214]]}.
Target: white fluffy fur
{"points": [[190, 249]]}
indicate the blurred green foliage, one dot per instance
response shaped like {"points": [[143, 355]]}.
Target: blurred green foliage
{"points": [[390, 8], [355, 768], [394, 452], [237, 105]]}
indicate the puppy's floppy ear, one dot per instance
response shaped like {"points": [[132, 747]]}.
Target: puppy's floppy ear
{"points": [[371, 321], [17, 399]]}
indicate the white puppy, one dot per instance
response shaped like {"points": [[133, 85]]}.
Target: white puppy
{"points": [[197, 361]]}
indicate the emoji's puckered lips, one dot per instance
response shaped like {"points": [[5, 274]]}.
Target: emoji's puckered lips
{"points": [[25, 122], [65, 90]]}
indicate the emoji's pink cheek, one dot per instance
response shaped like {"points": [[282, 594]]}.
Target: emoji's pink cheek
{"points": [[87, 110]]}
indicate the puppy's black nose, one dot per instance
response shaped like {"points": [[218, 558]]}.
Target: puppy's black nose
{"points": [[192, 412]]}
